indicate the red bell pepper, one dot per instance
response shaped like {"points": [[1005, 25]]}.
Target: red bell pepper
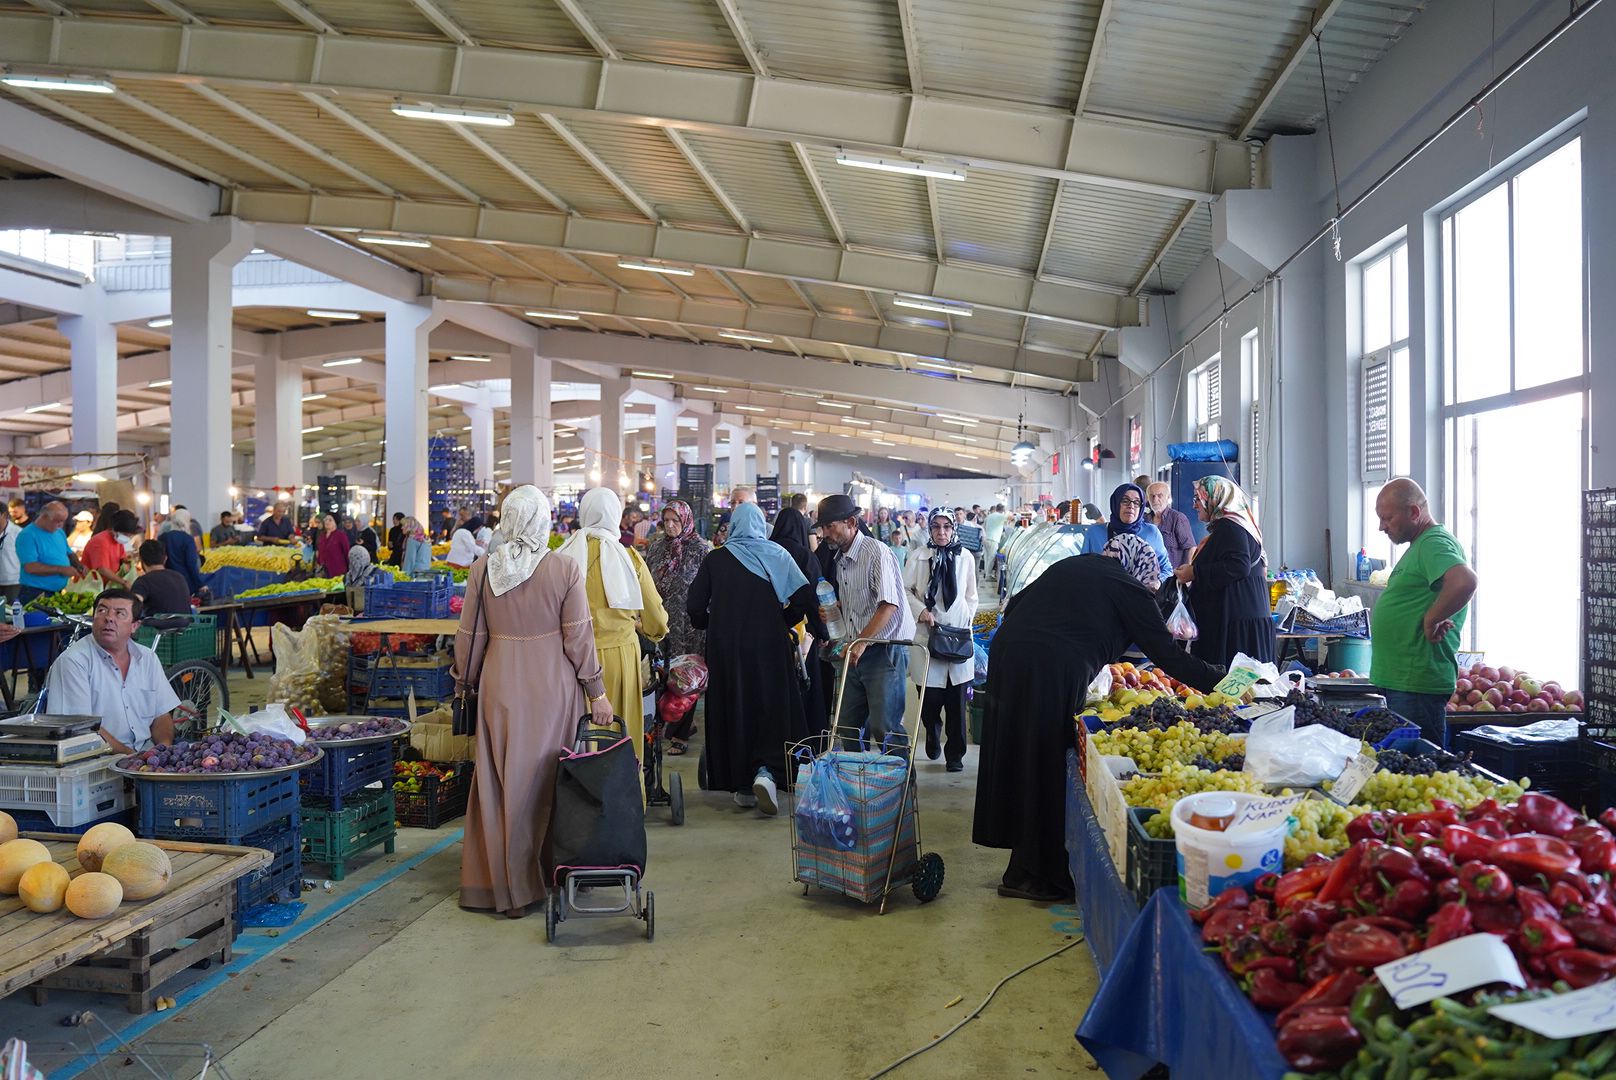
{"points": [[1448, 891], [1385, 922], [1367, 895], [1437, 863], [1567, 899], [1486, 808], [1316, 966], [1545, 814], [1464, 844], [1371, 826], [1230, 922], [1607, 818], [1598, 853], [1264, 886], [1534, 903], [1313, 917], [1355, 943], [1596, 934], [1261, 911], [1583, 832], [1394, 864], [1485, 882], [1530, 854], [1228, 898], [1411, 899], [1333, 991], [1299, 885], [1344, 874], [1273, 991], [1278, 938], [1320, 1039], [1502, 919], [1445, 814], [1242, 951], [1452, 920], [1581, 967], [1540, 936], [1492, 828]]}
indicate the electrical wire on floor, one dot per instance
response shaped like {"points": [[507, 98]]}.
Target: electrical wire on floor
{"points": [[974, 1013]]}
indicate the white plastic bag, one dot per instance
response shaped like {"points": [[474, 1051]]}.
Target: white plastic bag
{"points": [[1180, 624], [1270, 683], [270, 720], [1100, 688], [1279, 752]]}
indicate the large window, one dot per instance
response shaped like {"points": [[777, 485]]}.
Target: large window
{"points": [[1384, 438], [1206, 400], [1516, 358]]}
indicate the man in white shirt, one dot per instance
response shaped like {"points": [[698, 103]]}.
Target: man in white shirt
{"points": [[109, 675], [10, 565]]}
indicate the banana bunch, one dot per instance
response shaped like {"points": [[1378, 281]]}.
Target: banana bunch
{"points": [[275, 560]]}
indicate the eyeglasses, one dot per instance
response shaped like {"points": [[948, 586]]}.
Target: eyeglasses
{"points": [[1131, 502], [941, 526]]}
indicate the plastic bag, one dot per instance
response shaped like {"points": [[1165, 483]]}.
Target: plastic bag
{"points": [[1100, 688], [1270, 681], [687, 674], [823, 813], [1180, 625], [270, 720], [1279, 752], [311, 666]]}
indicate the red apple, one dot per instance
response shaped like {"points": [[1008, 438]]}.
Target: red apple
{"points": [[1474, 697], [1495, 697], [1505, 673], [1572, 699], [1517, 708], [1463, 686], [1537, 704], [1489, 673], [1519, 697], [1467, 708], [1554, 689], [1485, 706]]}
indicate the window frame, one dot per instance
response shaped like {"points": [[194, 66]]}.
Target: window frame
{"points": [[1205, 425]]}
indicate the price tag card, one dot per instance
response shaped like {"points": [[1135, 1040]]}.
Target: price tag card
{"points": [[1263, 811], [1237, 682], [1360, 767], [1565, 1016], [1461, 964]]}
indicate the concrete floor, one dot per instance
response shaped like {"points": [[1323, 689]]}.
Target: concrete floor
{"points": [[747, 976]]}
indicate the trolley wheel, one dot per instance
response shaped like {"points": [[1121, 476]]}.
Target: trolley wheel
{"points": [[676, 798], [928, 880], [650, 915], [701, 770], [550, 917]]}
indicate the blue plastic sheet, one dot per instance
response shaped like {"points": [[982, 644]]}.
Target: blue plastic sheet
{"points": [[1164, 1000], [1109, 911]]}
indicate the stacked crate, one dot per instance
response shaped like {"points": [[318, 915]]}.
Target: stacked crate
{"points": [[347, 803], [1599, 650], [334, 496], [451, 474]]}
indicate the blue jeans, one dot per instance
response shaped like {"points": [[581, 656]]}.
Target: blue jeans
{"points": [[1429, 711], [873, 699]]}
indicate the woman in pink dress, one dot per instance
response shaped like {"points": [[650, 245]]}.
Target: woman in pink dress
{"points": [[526, 642]]}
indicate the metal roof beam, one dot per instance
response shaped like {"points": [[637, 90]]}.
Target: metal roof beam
{"points": [[321, 102], [521, 175], [709, 179], [586, 26], [1298, 51], [911, 45], [743, 38], [1101, 23], [112, 133], [229, 149], [436, 17], [302, 14], [317, 251], [235, 108], [976, 133], [992, 290], [594, 161], [1166, 246]]}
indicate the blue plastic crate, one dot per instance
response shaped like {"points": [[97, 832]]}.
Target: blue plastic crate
{"points": [[35, 821], [423, 598], [284, 873], [346, 771], [216, 811], [429, 684]]}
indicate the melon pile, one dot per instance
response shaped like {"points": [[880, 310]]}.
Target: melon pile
{"points": [[117, 867]]}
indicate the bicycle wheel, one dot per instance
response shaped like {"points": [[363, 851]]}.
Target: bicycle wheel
{"points": [[202, 693]]}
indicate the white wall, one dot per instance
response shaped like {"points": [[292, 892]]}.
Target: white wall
{"points": [[957, 492]]}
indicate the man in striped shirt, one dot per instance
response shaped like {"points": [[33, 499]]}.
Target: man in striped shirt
{"points": [[870, 591]]}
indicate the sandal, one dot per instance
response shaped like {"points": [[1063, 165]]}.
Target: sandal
{"points": [[678, 749]]}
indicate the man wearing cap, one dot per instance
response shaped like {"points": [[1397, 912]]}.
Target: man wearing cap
{"points": [[869, 587]]}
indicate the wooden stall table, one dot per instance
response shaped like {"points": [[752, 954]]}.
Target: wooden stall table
{"points": [[137, 948]]}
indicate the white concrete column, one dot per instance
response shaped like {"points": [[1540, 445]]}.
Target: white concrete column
{"points": [[666, 470], [808, 459], [613, 458], [764, 455], [589, 437], [94, 344], [409, 325], [706, 440], [532, 430], [737, 455], [788, 457], [481, 418], [278, 419], [201, 360]]}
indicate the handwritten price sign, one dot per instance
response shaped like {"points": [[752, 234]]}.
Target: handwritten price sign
{"points": [[1262, 811], [1565, 1016], [1461, 964], [1352, 779]]}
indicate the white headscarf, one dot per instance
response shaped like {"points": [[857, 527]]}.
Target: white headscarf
{"points": [[525, 530], [600, 513]]}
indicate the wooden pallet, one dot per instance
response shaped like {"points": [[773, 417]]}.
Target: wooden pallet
{"points": [[139, 947]]}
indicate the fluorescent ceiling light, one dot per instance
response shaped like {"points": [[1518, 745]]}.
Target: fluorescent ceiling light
{"points": [[507, 461], [836, 405], [158, 324], [736, 335], [962, 438], [803, 433], [313, 397], [312, 430], [882, 442], [938, 365], [898, 165], [856, 421], [751, 408], [322, 313], [344, 362], [559, 316], [396, 241], [968, 457], [798, 393], [311, 457], [45, 407], [446, 114], [655, 268], [950, 418], [710, 389], [158, 384], [83, 84], [646, 374], [843, 435], [89, 478], [924, 303], [474, 359]]}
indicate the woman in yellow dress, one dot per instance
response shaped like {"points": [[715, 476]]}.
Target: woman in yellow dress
{"points": [[622, 599]]}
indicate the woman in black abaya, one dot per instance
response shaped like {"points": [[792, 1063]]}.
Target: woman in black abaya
{"points": [[791, 533]]}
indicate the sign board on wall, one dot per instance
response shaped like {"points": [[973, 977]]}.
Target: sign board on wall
{"points": [[1054, 464], [1136, 442], [768, 494]]}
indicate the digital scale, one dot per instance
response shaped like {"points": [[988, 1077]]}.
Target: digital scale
{"points": [[50, 740]]}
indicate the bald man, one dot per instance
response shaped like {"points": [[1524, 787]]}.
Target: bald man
{"points": [[1416, 623], [1174, 526]]}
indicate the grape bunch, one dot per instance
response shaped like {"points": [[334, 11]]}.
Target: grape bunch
{"points": [[357, 728], [1176, 781], [221, 753], [1431, 761], [1412, 794], [1321, 829], [1153, 749], [1310, 710], [1165, 712]]}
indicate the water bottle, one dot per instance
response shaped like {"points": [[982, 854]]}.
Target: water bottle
{"points": [[832, 610], [16, 614], [1363, 565]]}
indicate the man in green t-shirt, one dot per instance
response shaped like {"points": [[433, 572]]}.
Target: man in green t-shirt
{"points": [[1416, 622]]}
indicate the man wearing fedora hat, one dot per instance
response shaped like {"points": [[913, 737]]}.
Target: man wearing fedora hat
{"points": [[869, 587]]}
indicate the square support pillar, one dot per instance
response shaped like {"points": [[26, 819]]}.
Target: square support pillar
{"points": [[666, 470], [409, 325], [737, 455], [763, 459], [481, 418], [94, 380], [278, 423], [532, 430], [706, 440]]}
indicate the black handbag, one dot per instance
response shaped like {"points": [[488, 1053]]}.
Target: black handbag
{"points": [[952, 644], [464, 707]]}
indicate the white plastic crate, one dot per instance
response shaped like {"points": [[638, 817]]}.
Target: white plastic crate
{"points": [[71, 796]]}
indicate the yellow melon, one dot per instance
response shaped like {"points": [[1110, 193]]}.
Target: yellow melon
{"points": [[94, 845], [8, 828], [17, 856], [142, 869], [94, 896], [43, 886]]}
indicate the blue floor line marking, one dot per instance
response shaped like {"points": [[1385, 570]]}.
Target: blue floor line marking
{"points": [[249, 950]]}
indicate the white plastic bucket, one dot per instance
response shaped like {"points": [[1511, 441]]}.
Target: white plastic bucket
{"points": [[1210, 862]]}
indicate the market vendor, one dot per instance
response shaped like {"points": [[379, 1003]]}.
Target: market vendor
{"points": [[1055, 636], [48, 564], [276, 528], [110, 675], [1415, 629]]}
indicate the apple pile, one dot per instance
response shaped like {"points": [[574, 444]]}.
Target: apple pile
{"points": [[1485, 689]]}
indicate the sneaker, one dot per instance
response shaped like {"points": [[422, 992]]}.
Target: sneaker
{"points": [[767, 800], [745, 801], [956, 766]]}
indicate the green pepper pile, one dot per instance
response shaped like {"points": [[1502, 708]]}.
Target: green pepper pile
{"points": [[76, 603]]}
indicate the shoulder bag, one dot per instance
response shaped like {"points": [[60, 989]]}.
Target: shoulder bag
{"points": [[951, 644], [465, 704]]}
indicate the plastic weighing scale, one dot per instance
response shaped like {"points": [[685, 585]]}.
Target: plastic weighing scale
{"points": [[50, 740]]}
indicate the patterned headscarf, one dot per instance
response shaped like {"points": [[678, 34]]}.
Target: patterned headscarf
{"points": [[687, 525], [1138, 558], [1225, 501], [412, 530]]}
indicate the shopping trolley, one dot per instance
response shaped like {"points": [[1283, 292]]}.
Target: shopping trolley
{"points": [[867, 843]]}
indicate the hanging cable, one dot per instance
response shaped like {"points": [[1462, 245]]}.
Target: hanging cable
{"points": [[1329, 134]]}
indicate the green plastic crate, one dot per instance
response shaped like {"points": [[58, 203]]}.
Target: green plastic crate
{"points": [[199, 641], [333, 837]]}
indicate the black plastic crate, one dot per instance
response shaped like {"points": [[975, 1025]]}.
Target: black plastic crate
{"points": [[437, 802], [346, 771], [1599, 612], [1553, 765], [1152, 863], [1599, 506]]}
